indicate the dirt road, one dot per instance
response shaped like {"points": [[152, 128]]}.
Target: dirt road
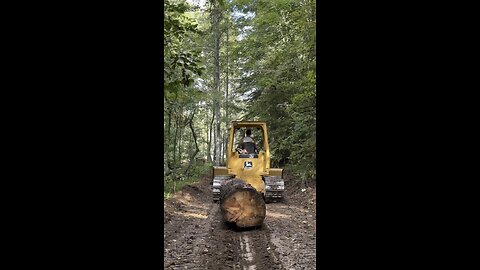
{"points": [[195, 236]]}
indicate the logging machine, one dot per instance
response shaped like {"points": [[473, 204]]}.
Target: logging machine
{"points": [[247, 181]]}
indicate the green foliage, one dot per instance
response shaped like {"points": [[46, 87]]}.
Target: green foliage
{"points": [[179, 181], [279, 55], [180, 61], [169, 185]]}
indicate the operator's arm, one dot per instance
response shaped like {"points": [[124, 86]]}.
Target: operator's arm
{"points": [[240, 144]]}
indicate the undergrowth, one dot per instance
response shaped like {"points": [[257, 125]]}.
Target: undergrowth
{"points": [[175, 183]]}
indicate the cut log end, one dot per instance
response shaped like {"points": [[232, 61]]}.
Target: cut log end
{"points": [[242, 204]]}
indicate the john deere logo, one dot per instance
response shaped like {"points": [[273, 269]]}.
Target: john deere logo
{"points": [[247, 164]]}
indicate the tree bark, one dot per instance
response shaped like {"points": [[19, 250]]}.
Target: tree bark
{"points": [[216, 79], [215, 143], [209, 150], [222, 150], [192, 158], [175, 144], [179, 144], [226, 102], [167, 140], [241, 204]]}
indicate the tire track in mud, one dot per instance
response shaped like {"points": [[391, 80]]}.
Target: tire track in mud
{"points": [[240, 249], [185, 235], [257, 250], [293, 234], [224, 244], [196, 237]]}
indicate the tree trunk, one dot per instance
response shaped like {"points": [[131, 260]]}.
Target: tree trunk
{"points": [[179, 144], [183, 125], [167, 141], [174, 165], [241, 204], [218, 140], [189, 149], [215, 144], [209, 150], [192, 157], [208, 138], [226, 102], [221, 150], [216, 79]]}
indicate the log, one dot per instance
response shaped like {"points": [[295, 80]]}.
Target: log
{"points": [[240, 203]]}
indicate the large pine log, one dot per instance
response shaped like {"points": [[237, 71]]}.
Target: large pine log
{"points": [[241, 204]]}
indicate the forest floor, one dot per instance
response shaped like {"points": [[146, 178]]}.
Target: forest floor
{"points": [[195, 237]]}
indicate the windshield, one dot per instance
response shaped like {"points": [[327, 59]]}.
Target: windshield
{"points": [[240, 133]]}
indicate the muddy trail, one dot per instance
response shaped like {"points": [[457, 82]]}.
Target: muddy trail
{"points": [[195, 237]]}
